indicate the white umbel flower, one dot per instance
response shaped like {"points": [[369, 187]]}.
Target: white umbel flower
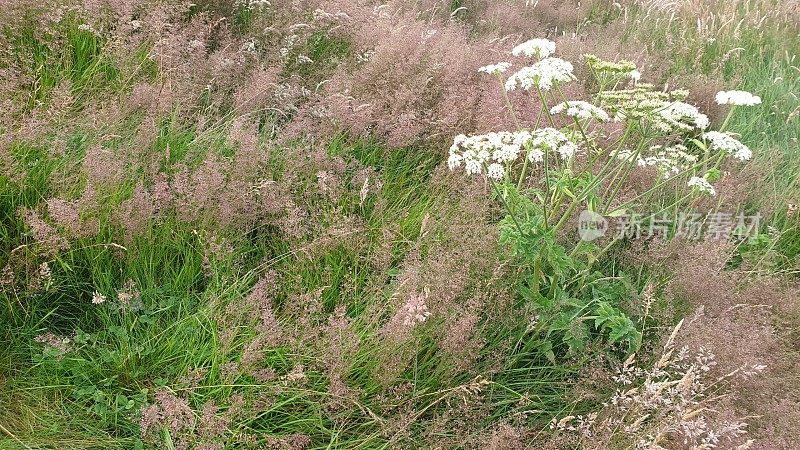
{"points": [[737, 98], [472, 167], [580, 110], [98, 298], [550, 139], [567, 149], [536, 155], [543, 75], [724, 142], [454, 160], [540, 48], [702, 185], [680, 116], [495, 171], [495, 69]]}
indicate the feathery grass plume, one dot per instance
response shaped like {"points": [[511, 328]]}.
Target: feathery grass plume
{"points": [[59, 345], [167, 412], [47, 238]]}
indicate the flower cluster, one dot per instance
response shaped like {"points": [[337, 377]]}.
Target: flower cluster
{"points": [[540, 48], [493, 150], [724, 142], [598, 65], [665, 112], [580, 110], [612, 71], [550, 139], [737, 98], [98, 298], [679, 116], [495, 69], [669, 160], [475, 151], [702, 185], [542, 75], [653, 113]]}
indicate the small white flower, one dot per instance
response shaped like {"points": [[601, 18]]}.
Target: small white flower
{"points": [[495, 69], [567, 150], [737, 98], [550, 139], [472, 167], [495, 171], [536, 155], [635, 75], [98, 298], [581, 110], [541, 48], [702, 185], [724, 142], [454, 160], [135, 24]]}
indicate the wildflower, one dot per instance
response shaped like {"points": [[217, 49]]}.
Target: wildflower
{"points": [[89, 29], [567, 150], [724, 142], [541, 48], [135, 24], [495, 69], [543, 75], [454, 160], [550, 139], [664, 111], [580, 110], [680, 116], [668, 160], [98, 298], [737, 98], [535, 155], [635, 75], [472, 167], [702, 185], [415, 311], [600, 67], [495, 171], [474, 151]]}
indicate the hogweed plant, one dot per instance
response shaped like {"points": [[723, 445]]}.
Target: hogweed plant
{"points": [[545, 171]]}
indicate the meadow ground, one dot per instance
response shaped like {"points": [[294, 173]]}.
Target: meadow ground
{"points": [[351, 224]]}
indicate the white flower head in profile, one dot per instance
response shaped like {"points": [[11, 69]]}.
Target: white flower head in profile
{"points": [[724, 142], [540, 48], [737, 98], [702, 185], [495, 69]]}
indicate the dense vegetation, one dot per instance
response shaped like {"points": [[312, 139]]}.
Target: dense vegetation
{"points": [[238, 224]]}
